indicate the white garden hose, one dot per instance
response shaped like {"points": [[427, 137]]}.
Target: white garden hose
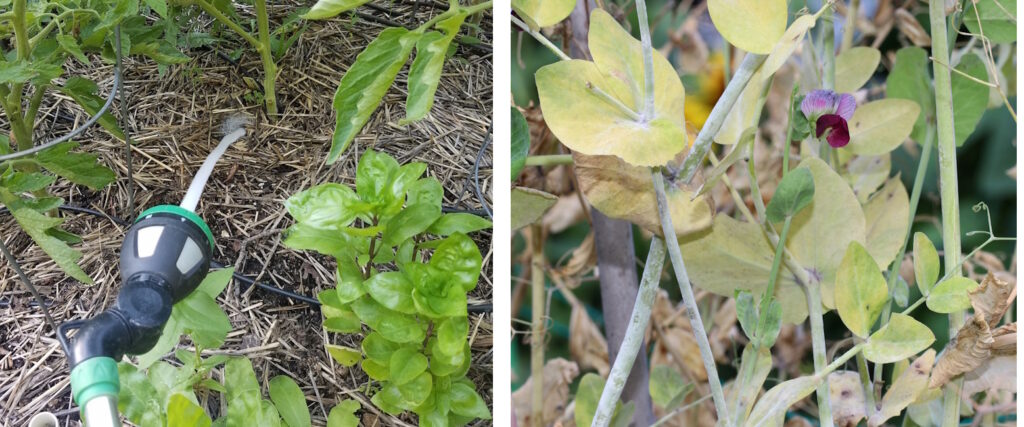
{"points": [[235, 129]]}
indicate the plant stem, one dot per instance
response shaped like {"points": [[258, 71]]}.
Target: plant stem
{"points": [[224, 19], [680, 410], [851, 25], [20, 33], [611, 100], [267, 57], [780, 249], [692, 311], [814, 314], [841, 360], [540, 38], [702, 144], [549, 160], [537, 323], [634, 337], [947, 184], [865, 381], [648, 55], [828, 32]]}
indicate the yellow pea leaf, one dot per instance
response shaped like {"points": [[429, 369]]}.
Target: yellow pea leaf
{"points": [[860, 290], [887, 216], [587, 122], [741, 117], [787, 45], [751, 25], [543, 13], [530, 206], [879, 127], [854, 67]]}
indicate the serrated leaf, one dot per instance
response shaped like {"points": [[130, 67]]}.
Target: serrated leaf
{"points": [[591, 124], [543, 13], [345, 356], [36, 225], [83, 91], [795, 192], [926, 263], [899, 339], [878, 127], [289, 401], [860, 290], [854, 67], [79, 168], [970, 98], [425, 72], [887, 217], [530, 206], [996, 18], [752, 25], [324, 9], [909, 79], [950, 295], [520, 142], [364, 84]]}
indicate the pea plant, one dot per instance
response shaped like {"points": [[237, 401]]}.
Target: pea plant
{"points": [[403, 271], [158, 393], [40, 37], [367, 80], [830, 237]]}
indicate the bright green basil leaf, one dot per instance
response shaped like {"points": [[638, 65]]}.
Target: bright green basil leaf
{"points": [[343, 355], [183, 412], [415, 391], [345, 322], [83, 91], [79, 168], [389, 399], [795, 192], [426, 191], [406, 365], [268, 415], [425, 72], [395, 326], [376, 370], [326, 206], [459, 257], [344, 414], [459, 222], [520, 142], [375, 175], [926, 263], [950, 295], [289, 401], [451, 334], [350, 281], [465, 401], [409, 222], [379, 348], [328, 242], [860, 290], [392, 290], [243, 393], [667, 387], [137, 399], [899, 339], [909, 79], [215, 282], [365, 83], [970, 97], [996, 18], [442, 364]]}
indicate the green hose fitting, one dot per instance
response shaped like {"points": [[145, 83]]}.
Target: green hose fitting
{"points": [[182, 212], [94, 377]]}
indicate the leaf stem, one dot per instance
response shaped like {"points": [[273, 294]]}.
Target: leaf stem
{"points": [[692, 311], [549, 160], [224, 19], [828, 32], [633, 115], [537, 323], [814, 314], [540, 38], [702, 144], [865, 381], [851, 25], [648, 55], [780, 248], [634, 337]]}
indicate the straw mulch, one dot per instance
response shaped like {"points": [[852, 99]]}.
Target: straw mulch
{"points": [[174, 120]]}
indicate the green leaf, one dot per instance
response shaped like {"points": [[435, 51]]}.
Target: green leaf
{"points": [[426, 191], [795, 192], [667, 387], [389, 399], [343, 414], [335, 243], [24, 182], [83, 91], [466, 402], [589, 123], [752, 25], [887, 217], [926, 263], [392, 290], [411, 221], [970, 98], [769, 324], [451, 334], [909, 79], [459, 257], [860, 290], [345, 356], [406, 365], [377, 347], [459, 222], [395, 326], [289, 401], [137, 399], [530, 206], [364, 85], [950, 295], [454, 365], [901, 292], [801, 127], [771, 407], [158, 6], [543, 13], [746, 313], [375, 175], [787, 44], [326, 206], [324, 9], [70, 45], [376, 370], [79, 168], [183, 412], [37, 225], [520, 142], [878, 127], [854, 67], [588, 394], [996, 18], [899, 339], [866, 174], [425, 72], [243, 393], [415, 391], [350, 281]]}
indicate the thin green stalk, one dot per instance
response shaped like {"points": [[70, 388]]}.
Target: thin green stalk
{"points": [[611, 100], [915, 198], [727, 62], [634, 337], [700, 335], [865, 381], [20, 32], [814, 314], [787, 144], [851, 25], [267, 57], [33, 105], [780, 249], [537, 323], [224, 19], [840, 361], [540, 38], [680, 410], [947, 184], [829, 44], [549, 160]]}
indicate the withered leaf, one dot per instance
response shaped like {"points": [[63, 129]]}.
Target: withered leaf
{"points": [[558, 374], [587, 345], [847, 397], [907, 388], [991, 299]]}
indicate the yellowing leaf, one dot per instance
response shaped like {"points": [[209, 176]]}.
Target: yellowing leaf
{"points": [[846, 394], [887, 217], [905, 390], [622, 191], [950, 295], [860, 290], [530, 205], [879, 127], [344, 355], [899, 339], [741, 117], [590, 123], [752, 25], [543, 13], [926, 263], [786, 45], [855, 67], [866, 173], [771, 408]]}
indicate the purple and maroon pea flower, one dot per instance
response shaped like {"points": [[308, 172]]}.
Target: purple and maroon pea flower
{"points": [[830, 111]]}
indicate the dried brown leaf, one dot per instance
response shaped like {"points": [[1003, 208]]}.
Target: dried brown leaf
{"points": [[587, 345], [970, 348], [558, 374], [582, 260], [909, 26], [998, 373], [991, 299], [847, 397], [566, 212]]}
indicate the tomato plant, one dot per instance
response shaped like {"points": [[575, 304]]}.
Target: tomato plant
{"points": [[403, 270]]}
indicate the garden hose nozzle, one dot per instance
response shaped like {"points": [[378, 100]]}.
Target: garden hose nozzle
{"points": [[164, 257]]}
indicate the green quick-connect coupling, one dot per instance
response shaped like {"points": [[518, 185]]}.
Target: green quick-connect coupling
{"points": [[93, 378]]}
